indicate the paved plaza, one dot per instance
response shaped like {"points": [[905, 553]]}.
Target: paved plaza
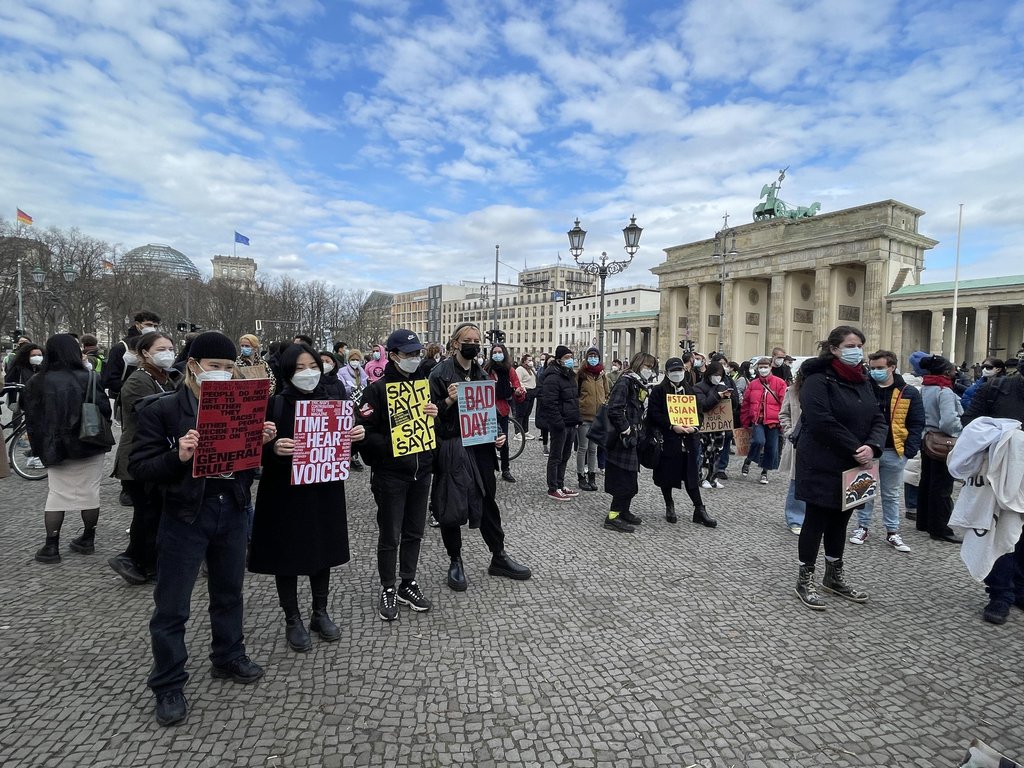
{"points": [[676, 646]]}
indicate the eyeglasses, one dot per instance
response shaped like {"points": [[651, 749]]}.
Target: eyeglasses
{"points": [[988, 368]]}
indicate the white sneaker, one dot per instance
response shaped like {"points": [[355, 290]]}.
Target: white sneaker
{"points": [[528, 436], [895, 541], [34, 462], [860, 535], [795, 529], [764, 478], [716, 484], [705, 484]]}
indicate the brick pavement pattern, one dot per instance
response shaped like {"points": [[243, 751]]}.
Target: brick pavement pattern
{"points": [[675, 646]]}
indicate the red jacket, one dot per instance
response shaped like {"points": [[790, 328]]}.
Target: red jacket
{"points": [[762, 401]]}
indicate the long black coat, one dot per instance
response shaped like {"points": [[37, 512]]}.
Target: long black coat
{"points": [[298, 529], [625, 411], [558, 404], [680, 455], [838, 418], [53, 410]]}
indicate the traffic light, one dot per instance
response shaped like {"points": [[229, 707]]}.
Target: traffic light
{"points": [[567, 298], [182, 327], [501, 337]]}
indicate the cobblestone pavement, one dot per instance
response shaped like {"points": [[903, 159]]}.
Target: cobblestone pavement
{"points": [[676, 646]]}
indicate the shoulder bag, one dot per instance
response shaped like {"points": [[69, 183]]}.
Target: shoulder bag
{"points": [[94, 428], [937, 445]]}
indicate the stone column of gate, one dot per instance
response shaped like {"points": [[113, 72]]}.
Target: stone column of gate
{"points": [[935, 339], [875, 290], [822, 302], [895, 342], [778, 323], [980, 342]]}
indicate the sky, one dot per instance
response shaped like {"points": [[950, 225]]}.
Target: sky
{"points": [[390, 145]]}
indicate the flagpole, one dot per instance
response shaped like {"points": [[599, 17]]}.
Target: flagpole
{"points": [[234, 247], [956, 286]]}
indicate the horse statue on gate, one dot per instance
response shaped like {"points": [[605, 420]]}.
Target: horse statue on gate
{"points": [[775, 208]]}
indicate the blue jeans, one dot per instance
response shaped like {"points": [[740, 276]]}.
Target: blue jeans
{"points": [[910, 496], [890, 475], [795, 508], [764, 446], [218, 534], [723, 457]]}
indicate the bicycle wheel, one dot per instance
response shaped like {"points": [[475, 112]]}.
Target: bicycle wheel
{"points": [[516, 439], [21, 458]]}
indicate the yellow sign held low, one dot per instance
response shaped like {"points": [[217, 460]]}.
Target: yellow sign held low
{"points": [[682, 411]]}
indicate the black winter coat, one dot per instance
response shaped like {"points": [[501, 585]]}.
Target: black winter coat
{"points": [[680, 455], [53, 410], [626, 411], [837, 418], [1001, 398], [154, 457], [297, 529], [373, 414], [709, 395], [558, 404]]}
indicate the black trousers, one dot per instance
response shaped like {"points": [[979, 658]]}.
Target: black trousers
{"points": [[934, 497], [401, 516], [524, 409], [288, 590], [503, 451], [823, 523], [559, 451], [490, 529], [146, 506]]}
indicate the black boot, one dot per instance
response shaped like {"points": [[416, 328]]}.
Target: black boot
{"points": [[805, 589], [127, 569], [295, 633], [84, 544], [50, 551], [592, 481], [670, 512], [457, 575], [701, 516], [581, 482], [503, 565], [835, 583], [630, 518], [320, 621]]}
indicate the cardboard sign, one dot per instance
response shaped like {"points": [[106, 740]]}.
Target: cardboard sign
{"points": [[478, 416], [719, 418], [412, 431], [741, 439], [252, 371], [682, 411], [230, 425], [860, 485], [323, 441]]}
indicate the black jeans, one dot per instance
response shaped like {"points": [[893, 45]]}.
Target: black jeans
{"points": [[490, 529], [559, 451], [823, 523], [503, 451], [146, 506], [934, 497], [401, 515], [524, 409], [1006, 579], [218, 535]]}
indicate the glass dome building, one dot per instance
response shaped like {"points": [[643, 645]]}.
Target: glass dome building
{"points": [[159, 258]]}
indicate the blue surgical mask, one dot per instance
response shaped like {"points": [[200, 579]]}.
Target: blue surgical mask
{"points": [[879, 374], [851, 355], [570, 363], [497, 357], [246, 351], [593, 361], [376, 355]]}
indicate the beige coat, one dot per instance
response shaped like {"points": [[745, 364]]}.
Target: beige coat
{"points": [[789, 417]]}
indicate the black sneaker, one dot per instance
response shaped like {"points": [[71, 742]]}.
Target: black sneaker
{"points": [[125, 500], [745, 469], [127, 569], [618, 524], [996, 612], [171, 708], [409, 593], [630, 518], [507, 477], [387, 608], [241, 670], [433, 522]]}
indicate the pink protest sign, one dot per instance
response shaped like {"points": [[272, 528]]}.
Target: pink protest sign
{"points": [[478, 416], [323, 441]]}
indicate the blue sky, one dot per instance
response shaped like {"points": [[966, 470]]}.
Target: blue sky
{"points": [[391, 145]]}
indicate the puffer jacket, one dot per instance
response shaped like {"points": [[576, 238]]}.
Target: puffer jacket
{"points": [[762, 401], [53, 411], [905, 414], [558, 404], [594, 390]]}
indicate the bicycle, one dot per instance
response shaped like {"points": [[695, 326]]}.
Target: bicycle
{"points": [[19, 450], [516, 439]]}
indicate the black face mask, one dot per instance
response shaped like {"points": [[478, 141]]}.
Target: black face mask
{"points": [[469, 351]]}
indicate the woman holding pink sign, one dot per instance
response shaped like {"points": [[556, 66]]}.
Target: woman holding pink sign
{"points": [[301, 528]]}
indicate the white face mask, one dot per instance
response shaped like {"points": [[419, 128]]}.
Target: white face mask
{"points": [[36, 360], [986, 372], [763, 371], [204, 375], [646, 374], [328, 367], [716, 380], [306, 380], [130, 358], [408, 364], [163, 359], [676, 376], [147, 329], [779, 361], [356, 364]]}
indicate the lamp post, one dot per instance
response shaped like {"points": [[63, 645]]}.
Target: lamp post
{"points": [[723, 234], [604, 267]]}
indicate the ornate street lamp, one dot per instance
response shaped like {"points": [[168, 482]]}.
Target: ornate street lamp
{"points": [[604, 267], [38, 275], [69, 273]]}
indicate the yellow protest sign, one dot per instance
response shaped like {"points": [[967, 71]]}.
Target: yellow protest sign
{"points": [[682, 411], [412, 431]]}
